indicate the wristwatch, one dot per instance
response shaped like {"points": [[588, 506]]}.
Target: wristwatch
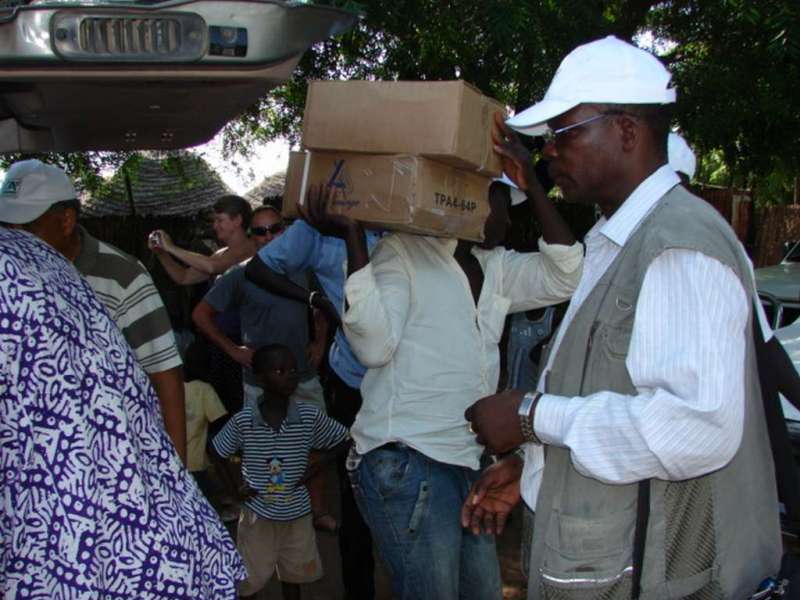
{"points": [[526, 412]]}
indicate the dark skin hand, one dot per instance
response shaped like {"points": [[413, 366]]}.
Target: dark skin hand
{"points": [[241, 492], [495, 422], [492, 498], [519, 167], [316, 214]]}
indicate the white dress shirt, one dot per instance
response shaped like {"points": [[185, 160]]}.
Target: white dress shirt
{"points": [[430, 351], [686, 360]]}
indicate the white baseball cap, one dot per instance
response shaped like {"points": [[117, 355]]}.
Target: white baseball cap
{"points": [[604, 71], [680, 155], [517, 195], [30, 188]]}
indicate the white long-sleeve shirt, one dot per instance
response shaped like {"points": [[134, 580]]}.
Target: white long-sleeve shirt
{"points": [[430, 351], [686, 360]]}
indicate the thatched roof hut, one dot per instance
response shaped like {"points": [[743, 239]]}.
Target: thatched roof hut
{"points": [[180, 185], [269, 191], [174, 194]]}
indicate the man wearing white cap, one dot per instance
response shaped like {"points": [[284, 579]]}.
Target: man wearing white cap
{"points": [[658, 480], [41, 199]]}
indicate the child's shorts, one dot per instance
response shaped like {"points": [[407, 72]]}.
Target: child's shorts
{"points": [[289, 546]]}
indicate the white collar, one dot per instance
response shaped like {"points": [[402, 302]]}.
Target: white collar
{"points": [[636, 207]]}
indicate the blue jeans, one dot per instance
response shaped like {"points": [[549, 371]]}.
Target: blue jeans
{"points": [[412, 505]]}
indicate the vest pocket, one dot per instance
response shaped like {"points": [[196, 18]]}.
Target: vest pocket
{"points": [[588, 558]]}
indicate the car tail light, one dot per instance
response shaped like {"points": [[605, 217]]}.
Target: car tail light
{"points": [[162, 37]]}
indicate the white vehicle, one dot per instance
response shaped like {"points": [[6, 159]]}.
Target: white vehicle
{"points": [[779, 287], [127, 75]]}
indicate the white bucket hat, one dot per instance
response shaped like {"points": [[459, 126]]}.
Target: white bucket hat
{"points": [[604, 71], [30, 188], [517, 195], [680, 155]]}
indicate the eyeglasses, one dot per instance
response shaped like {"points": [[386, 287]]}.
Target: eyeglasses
{"points": [[262, 231], [553, 134]]}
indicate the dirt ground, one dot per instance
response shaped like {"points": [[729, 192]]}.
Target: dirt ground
{"points": [[330, 586]]}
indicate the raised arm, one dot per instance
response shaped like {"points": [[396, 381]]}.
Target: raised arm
{"points": [[518, 165], [317, 215], [177, 272], [217, 263], [264, 277]]}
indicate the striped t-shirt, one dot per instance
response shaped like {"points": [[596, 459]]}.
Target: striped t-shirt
{"points": [[274, 461], [125, 288]]}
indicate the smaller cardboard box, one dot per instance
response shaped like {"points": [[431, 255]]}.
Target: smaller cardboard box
{"points": [[448, 121], [396, 192]]}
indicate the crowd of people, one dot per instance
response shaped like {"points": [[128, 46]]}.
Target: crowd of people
{"points": [[641, 448]]}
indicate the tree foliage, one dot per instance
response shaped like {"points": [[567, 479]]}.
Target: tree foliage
{"points": [[735, 63]]}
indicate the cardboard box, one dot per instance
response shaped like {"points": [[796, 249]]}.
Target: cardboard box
{"points": [[397, 192], [448, 121]]}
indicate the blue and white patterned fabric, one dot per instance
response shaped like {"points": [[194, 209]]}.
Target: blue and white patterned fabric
{"points": [[93, 500]]}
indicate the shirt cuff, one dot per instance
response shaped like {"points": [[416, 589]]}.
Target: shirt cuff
{"points": [[568, 258], [359, 285], [549, 418]]}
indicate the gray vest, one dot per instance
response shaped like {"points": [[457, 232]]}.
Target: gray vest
{"points": [[711, 537]]}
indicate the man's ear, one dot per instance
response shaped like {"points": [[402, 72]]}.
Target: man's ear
{"points": [[630, 132]]}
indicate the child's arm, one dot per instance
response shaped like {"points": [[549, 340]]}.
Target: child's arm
{"points": [[224, 444], [228, 475], [330, 438], [323, 459]]}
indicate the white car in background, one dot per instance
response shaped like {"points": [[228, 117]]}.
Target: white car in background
{"points": [[779, 287], [148, 74]]}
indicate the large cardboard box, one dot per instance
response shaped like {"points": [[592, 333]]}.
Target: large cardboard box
{"points": [[397, 192], [448, 121]]}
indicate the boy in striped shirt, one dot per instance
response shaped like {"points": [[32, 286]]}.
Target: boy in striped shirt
{"points": [[275, 527]]}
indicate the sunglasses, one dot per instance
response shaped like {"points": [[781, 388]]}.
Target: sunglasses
{"points": [[262, 231]]}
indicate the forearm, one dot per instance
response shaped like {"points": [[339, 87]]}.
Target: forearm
{"points": [[203, 318], [225, 469], [322, 328], [554, 228], [197, 261], [267, 279], [536, 279], [178, 273], [169, 388]]}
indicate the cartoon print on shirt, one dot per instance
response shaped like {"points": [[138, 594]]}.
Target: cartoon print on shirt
{"points": [[276, 482]]}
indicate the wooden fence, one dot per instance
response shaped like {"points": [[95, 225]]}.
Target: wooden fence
{"points": [[775, 225]]}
